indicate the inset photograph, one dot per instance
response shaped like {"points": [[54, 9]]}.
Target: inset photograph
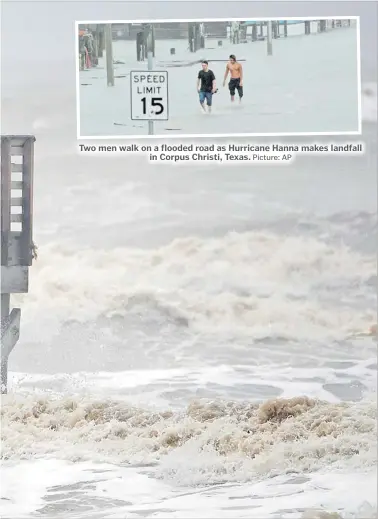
{"points": [[218, 78]]}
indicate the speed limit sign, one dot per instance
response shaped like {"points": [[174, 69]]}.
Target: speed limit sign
{"points": [[149, 95]]}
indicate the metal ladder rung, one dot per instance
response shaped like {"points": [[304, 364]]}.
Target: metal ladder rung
{"points": [[16, 201], [16, 218], [16, 168], [17, 184]]}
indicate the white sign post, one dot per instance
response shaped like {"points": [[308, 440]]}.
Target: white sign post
{"points": [[149, 96]]}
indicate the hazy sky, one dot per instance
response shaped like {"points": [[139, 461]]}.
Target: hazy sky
{"points": [[38, 36]]}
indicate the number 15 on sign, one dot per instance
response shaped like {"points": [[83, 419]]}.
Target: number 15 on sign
{"points": [[149, 95]]}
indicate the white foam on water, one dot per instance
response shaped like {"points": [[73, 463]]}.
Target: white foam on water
{"points": [[237, 441], [32, 485], [124, 491], [25, 484], [155, 387], [254, 284], [279, 497]]}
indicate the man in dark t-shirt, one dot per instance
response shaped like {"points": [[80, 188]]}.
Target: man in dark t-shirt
{"points": [[206, 86]]}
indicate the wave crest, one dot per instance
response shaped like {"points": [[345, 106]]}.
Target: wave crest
{"points": [[254, 283], [239, 440]]}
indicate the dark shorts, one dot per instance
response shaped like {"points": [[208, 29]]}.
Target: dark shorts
{"points": [[206, 95], [233, 85]]}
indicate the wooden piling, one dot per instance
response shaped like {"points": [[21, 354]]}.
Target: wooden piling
{"points": [[275, 29], [243, 33], [153, 40], [101, 43], [109, 54], [191, 36], [197, 31], [254, 32], [139, 44], [146, 40], [323, 25]]}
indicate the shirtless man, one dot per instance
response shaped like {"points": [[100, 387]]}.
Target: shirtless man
{"points": [[236, 80]]}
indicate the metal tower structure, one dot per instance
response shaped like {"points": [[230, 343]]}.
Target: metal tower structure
{"points": [[17, 248]]}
